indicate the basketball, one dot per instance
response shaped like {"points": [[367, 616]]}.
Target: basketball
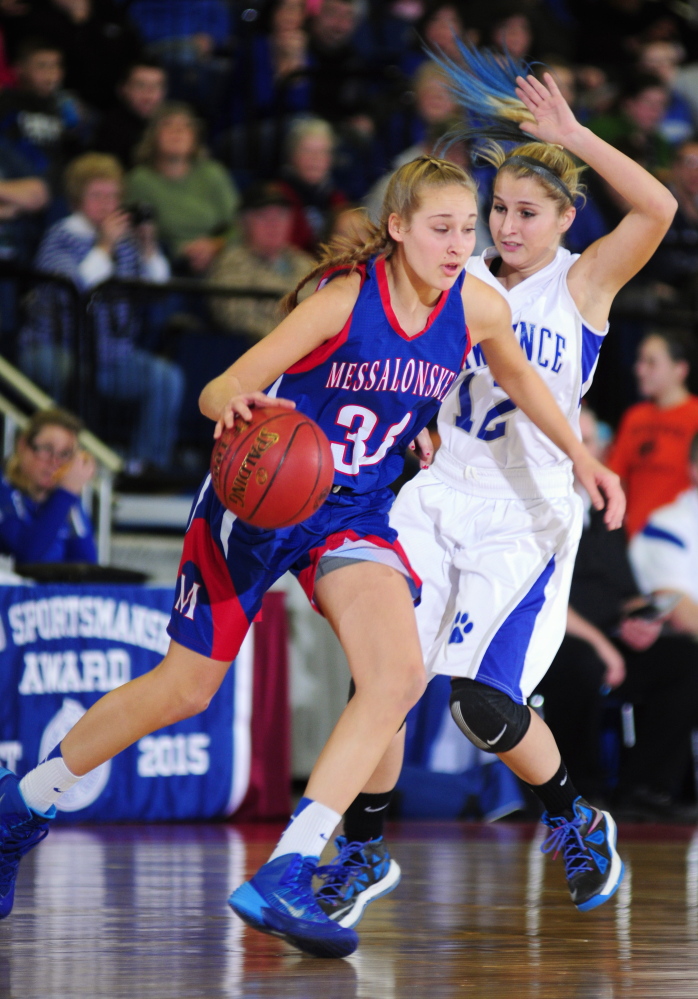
{"points": [[274, 471]]}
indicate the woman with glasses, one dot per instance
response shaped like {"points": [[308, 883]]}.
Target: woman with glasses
{"points": [[41, 516]]}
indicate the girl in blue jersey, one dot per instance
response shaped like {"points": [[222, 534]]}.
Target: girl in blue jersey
{"points": [[493, 526], [369, 356]]}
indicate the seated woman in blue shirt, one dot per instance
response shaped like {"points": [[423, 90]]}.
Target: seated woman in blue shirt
{"points": [[41, 516]]}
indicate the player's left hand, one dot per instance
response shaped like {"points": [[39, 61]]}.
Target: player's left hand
{"points": [[554, 117], [603, 487], [423, 448]]}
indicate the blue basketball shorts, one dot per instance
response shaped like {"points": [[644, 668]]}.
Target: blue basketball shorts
{"points": [[227, 565]]}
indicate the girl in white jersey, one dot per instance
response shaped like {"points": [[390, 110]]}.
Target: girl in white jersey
{"points": [[492, 527]]}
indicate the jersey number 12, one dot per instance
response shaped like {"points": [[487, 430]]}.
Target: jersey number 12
{"points": [[465, 421]]}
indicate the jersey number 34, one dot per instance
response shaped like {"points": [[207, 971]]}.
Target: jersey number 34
{"points": [[486, 431]]}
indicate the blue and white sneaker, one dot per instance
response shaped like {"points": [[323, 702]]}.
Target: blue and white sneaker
{"points": [[588, 842], [279, 900], [359, 874], [20, 831]]}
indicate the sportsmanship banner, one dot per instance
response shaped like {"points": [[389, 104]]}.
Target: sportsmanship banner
{"points": [[63, 647]]}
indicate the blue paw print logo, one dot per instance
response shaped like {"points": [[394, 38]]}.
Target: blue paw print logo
{"points": [[461, 626]]}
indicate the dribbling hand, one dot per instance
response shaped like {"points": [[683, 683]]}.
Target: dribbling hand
{"points": [[240, 405]]}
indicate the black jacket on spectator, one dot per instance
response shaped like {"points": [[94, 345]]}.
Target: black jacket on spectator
{"points": [[35, 128], [119, 132], [95, 52], [661, 684]]}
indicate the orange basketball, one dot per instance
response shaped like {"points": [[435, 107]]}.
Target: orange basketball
{"points": [[275, 470]]}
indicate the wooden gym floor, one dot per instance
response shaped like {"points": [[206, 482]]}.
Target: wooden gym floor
{"points": [[140, 912]]}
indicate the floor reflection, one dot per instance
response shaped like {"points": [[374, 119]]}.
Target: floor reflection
{"points": [[141, 912]]}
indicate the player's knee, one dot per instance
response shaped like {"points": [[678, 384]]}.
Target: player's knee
{"points": [[180, 697], [415, 684], [352, 691], [185, 702], [396, 691], [487, 716]]}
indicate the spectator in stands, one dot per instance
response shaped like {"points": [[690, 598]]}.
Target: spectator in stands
{"points": [[662, 59], [140, 95], [339, 84], [181, 31], [22, 196], [675, 263], [96, 39], [193, 197], [40, 121], [307, 181], [664, 554], [512, 32], [615, 643], [438, 28], [41, 516], [265, 260], [263, 84], [651, 447], [634, 125], [96, 242], [193, 42], [432, 104], [97, 42]]}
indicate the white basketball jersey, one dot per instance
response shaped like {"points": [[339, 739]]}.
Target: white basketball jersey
{"points": [[478, 424]]}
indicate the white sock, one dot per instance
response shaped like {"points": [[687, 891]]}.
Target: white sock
{"points": [[43, 786], [309, 830]]}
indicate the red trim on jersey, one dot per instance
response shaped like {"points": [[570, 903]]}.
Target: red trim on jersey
{"points": [[230, 623], [327, 349], [307, 577], [388, 308]]}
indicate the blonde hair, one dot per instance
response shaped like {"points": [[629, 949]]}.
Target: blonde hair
{"points": [[42, 418], [146, 152], [84, 169], [565, 171], [402, 198], [483, 83]]}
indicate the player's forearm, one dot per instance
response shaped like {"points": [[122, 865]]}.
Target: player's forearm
{"points": [[219, 391]]}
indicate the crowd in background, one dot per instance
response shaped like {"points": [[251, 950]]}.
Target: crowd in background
{"points": [[224, 141]]}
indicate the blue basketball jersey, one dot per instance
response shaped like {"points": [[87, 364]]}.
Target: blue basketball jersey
{"points": [[371, 387]]}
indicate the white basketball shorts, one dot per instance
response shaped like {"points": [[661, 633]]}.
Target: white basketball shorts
{"points": [[496, 566]]}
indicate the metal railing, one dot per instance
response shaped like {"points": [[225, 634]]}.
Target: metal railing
{"points": [[108, 462]]}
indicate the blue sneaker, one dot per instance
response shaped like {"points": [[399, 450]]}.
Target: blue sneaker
{"points": [[279, 900], [359, 874], [20, 830], [588, 842]]}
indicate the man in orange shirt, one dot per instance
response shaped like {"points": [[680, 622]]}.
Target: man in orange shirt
{"points": [[650, 452]]}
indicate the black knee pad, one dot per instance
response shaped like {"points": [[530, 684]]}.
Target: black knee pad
{"points": [[489, 718], [352, 691]]}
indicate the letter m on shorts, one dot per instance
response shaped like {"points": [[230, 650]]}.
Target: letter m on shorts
{"points": [[186, 602]]}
